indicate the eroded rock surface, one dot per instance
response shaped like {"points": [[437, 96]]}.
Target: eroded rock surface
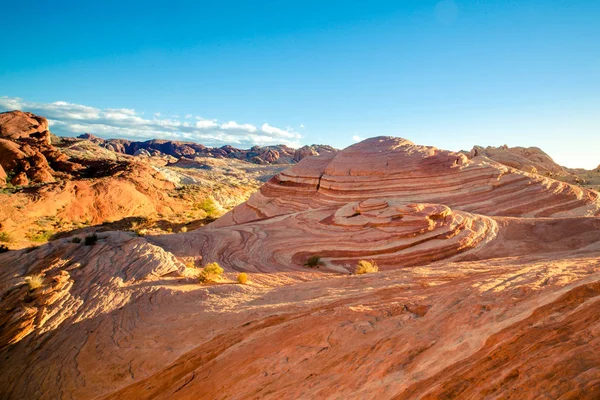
{"points": [[385, 167], [489, 287]]}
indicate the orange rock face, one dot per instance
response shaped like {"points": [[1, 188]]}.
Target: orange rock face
{"points": [[386, 167], [488, 287]]}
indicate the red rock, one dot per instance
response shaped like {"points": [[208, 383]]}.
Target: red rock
{"points": [[20, 179], [489, 287], [23, 125]]}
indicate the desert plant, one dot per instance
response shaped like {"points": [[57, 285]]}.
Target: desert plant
{"points": [[91, 240], [183, 229], [141, 232], [313, 261], [209, 206], [6, 237], [242, 278], [41, 236], [3, 248], [366, 267], [34, 281], [211, 272], [76, 240]]}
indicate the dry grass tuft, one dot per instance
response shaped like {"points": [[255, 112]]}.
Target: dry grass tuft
{"points": [[34, 281], [211, 272], [242, 278], [366, 267]]}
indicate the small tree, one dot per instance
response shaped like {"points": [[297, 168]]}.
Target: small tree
{"points": [[211, 272], [366, 267]]}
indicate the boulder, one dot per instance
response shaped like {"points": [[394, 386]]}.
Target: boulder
{"points": [[24, 125]]}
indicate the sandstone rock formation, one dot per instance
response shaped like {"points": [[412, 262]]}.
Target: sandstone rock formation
{"points": [[395, 168], [530, 159], [15, 125], [534, 160], [26, 152], [489, 287], [55, 186]]}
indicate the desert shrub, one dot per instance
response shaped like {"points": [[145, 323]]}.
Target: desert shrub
{"points": [[3, 248], [209, 206], [313, 261], [190, 264], [242, 278], [41, 236], [91, 240], [183, 229], [366, 267], [76, 240], [141, 232], [34, 281], [6, 237], [211, 272]]}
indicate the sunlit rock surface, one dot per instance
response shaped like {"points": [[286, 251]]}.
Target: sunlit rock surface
{"points": [[488, 287]]}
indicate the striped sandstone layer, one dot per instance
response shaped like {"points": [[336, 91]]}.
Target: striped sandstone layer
{"points": [[489, 287], [386, 167]]}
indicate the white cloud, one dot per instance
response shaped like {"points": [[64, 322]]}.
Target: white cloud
{"points": [[278, 132], [68, 119], [234, 125], [357, 138], [205, 124], [302, 126]]}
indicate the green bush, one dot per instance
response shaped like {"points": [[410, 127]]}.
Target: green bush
{"points": [[211, 272], [76, 240], [3, 248], [313, 261], [366, 267], [210, 207], [41, 236]]}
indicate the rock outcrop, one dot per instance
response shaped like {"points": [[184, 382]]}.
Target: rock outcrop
{"points": [[26, 152], [489, 287], [16, 125], [386, 167], [280, 154], [55, 185], [529, 159]]}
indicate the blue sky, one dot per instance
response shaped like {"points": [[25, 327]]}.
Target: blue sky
{"points": [[448, 73]]}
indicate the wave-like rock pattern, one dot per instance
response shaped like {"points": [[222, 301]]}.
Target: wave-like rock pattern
{"points": [[392, 233], [79, 282], [386, 167]]}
